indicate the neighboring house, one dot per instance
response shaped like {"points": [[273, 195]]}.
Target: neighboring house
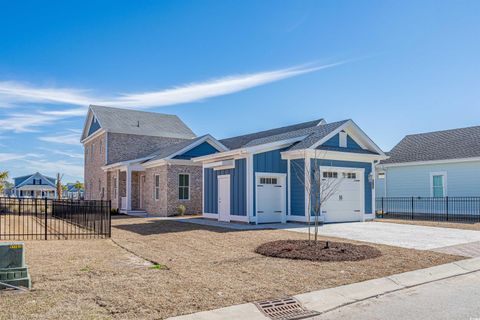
{"points": [[72, 192], [433, 164], [141, 161], [261, 178], [35, 186]]}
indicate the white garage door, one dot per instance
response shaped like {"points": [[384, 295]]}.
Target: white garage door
{"points": [[270, 198], [346, 202]]}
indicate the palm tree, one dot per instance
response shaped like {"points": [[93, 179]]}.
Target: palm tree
{"points": [[3, 180], [79, 186]]}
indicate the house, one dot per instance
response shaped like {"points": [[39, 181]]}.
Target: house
{"points": [[72, 192], [263, 176], [34, 185], [433, 164], [141, 161]]}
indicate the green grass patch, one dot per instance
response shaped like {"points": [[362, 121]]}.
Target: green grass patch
{"points": [[158, 266]]}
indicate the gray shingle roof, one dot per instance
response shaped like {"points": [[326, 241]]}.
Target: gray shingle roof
{"points": [[168, 151], [319, 133], [439, 145], [248, 139], [142, 123]]}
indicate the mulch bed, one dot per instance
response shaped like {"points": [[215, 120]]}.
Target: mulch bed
{"points": [[317, 251]]}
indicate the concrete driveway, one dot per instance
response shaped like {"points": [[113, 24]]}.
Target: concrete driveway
{"points": [[400, 235], [446, 240]]}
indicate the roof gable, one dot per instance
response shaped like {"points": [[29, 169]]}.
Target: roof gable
{"points": [[129, 121], [439, 145], [28, 180]]}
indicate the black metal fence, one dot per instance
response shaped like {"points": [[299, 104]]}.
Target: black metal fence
{"points": [[452, 209], [32, 218]]}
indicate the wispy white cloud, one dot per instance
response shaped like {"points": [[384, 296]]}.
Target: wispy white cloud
{"points": [[67, 153], [20, 94], [11, 156], [63, 138]]}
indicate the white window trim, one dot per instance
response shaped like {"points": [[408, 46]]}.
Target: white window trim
{"points": [[188, 188], [155, 187], [444, 181]]}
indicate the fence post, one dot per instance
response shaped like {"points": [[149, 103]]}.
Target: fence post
{"points": [[382, 208], [446, 200], [412, 208], [46, 219], [19, 206], [109, 216]]}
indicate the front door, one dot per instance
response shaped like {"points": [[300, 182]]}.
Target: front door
{"points": [[224, 198]]}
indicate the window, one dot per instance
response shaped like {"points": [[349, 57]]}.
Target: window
{"points": [[39, 181], [437, 182], [268, 180], [33, 182], [92, 151], [101, 144], [183, 186], [343, 139], [156, 193], [330, 174], [349, 175], [99, 185]]}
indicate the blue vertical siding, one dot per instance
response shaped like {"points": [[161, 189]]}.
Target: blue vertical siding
{"points": [[270, 161], [238, 189], [201, 150], [94, 126], [335, 142], [352, 164], [297, 196]]}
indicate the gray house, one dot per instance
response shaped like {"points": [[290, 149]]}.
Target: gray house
{"points": [[433, 164]]}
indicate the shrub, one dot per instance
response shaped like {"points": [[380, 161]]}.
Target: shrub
{"points": [[181, 210]]}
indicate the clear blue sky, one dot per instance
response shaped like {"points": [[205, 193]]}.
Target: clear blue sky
{"points": [[411, 66]]}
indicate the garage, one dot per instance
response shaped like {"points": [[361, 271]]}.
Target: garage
{"points": [[270, 198], [347, 188]]}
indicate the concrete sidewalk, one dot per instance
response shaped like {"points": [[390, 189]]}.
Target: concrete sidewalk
{"points": [[329, 299]]}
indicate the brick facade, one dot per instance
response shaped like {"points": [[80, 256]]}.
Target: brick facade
{"points": [[95, 177], [168, 202]]}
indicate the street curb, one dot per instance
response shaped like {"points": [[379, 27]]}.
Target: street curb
{"points": [[329, 299]]}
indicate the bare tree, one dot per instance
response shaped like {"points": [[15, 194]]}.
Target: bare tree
{"points": [[320, 185], [3, 180], [59, 186]]}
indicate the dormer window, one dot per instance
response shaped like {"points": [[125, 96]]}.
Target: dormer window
{"points": [[343, 139]]}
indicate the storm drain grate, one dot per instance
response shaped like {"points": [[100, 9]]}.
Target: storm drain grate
{"points": [[284, 309]]}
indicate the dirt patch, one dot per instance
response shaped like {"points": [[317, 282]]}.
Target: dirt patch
{"points": [[199, 268], [440, 224], [317, 251]]}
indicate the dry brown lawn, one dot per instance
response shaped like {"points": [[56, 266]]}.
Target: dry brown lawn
{"points": [[454, 225], [207, 268]]}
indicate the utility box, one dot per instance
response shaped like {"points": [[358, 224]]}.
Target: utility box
{"points": [[13, 270]]}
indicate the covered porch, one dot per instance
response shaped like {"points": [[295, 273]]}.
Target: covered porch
{"points": [[36, 191], [127, 188]]}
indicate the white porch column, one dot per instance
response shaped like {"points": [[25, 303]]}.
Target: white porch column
{"points": [[129, 188]]}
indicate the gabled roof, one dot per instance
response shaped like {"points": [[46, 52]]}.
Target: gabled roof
{"points": [[316, 135], [439, 145], [51, 181], [137, 122], [249, 139]]}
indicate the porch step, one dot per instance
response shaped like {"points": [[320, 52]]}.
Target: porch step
{"points": [[136, 213]]}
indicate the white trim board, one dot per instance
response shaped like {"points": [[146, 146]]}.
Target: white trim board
{"points": [[429, 162]]}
